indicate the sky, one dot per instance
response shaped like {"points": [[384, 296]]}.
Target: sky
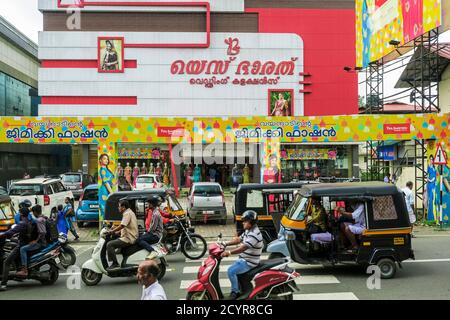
{"points": [[24, 15]]}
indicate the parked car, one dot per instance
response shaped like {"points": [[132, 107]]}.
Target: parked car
{"points": [[148, 181], [49, 193], [88, 206], [207, 202], [123, 184], [76, 182]]}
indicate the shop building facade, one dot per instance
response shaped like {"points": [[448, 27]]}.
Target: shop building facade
{"points": [[200, 59]]}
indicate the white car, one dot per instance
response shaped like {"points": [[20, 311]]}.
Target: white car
{"points": [[148, 181], [207, 198], [49, 193]]}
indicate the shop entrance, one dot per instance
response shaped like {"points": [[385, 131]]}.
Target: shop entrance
{"points": [[229, 165], [135, 160], [301, 162]]}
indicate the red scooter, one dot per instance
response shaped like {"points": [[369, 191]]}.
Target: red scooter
{"points": [[273, 279]]}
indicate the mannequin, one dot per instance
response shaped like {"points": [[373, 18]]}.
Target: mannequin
{"points": [[246, 174], [166, 180], [127, 173], [188, 176], [144, 169], [135, 173], [151, 169], [235, 175], [158, 170], [197, 173], [119, 170]]}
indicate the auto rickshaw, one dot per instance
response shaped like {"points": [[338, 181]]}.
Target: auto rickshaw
{"points": [[269, 201], [7, 213], [385, 241], [170, 204]]}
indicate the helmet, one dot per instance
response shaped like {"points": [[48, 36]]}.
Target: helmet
{"points": [[250, 215], [25, 204], [155, 200]]}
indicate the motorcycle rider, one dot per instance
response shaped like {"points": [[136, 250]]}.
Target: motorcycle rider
{"points": [[24, 229], [129, 233], [153, 225], [24, 204], [250, 249], [36, 244]]}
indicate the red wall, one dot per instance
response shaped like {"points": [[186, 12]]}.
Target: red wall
{"points": [[329, 42]]}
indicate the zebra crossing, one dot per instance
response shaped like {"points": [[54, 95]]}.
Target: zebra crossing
{"points": [[307, 279]]}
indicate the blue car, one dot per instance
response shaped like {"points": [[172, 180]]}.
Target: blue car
{"points": [[88, 206]]}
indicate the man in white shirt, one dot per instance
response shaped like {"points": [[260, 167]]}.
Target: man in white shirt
{"points": [[409, 199], [359, 216], [147, 274]]}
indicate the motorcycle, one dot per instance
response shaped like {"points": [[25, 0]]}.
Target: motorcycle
{"points": [[180, 235], [93, 270], [67, 256], [272, 279], [42, 265]]}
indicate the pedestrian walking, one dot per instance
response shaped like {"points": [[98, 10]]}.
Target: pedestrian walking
{"points": [[409, 199], [147, 274], [69, 215], [61, 222]]}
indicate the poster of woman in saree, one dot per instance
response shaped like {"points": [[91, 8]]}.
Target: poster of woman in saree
{"points": [[110, 55], [281, 103]]}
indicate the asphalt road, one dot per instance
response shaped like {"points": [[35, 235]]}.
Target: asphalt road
{"points": [[425, 278]]}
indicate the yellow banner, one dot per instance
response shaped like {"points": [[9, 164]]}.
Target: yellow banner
{"points": [[100, 130]]}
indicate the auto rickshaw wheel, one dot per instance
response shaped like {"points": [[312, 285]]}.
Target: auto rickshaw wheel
{"points": [[90, 278], [388, 268]]}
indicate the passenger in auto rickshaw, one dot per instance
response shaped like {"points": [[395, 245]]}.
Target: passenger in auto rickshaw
{"points": [[350, 230]]}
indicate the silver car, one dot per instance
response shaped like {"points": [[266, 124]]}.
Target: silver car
{"points": [[76, 182]]}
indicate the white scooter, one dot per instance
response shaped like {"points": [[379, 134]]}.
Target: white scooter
{"points": [[129, 259]]}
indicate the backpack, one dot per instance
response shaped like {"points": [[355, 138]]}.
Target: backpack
{"points": [[51, 227]]}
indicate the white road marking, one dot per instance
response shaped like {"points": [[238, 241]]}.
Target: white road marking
{"points": [[426, 260], [70, 274], [326, 296], [302, 280]]}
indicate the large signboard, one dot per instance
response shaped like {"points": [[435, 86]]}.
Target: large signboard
{"points": [[121, 74], [380, 21]]}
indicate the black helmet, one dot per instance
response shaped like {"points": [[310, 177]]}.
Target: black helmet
{"points": [[250, 215], [155, 200], [25, 204]]}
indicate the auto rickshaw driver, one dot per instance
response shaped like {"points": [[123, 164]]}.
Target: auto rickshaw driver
{"points": [[317, 220], [350, 230]]}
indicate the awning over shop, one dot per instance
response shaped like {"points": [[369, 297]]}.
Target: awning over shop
{"points": [[415, 74]]}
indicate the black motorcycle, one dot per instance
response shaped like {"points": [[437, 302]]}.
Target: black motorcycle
{"points": [[180, 235]]}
